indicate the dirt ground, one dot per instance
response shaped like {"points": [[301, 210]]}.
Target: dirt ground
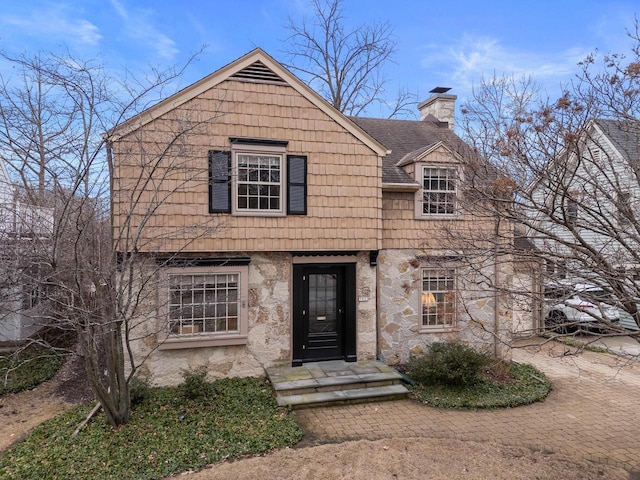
{"points": [[21, 412], [409, 459], [406, 459]]}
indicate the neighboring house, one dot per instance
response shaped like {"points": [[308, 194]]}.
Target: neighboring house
{"points": [[22, 228], [325, 235], [588, 201], [526, 288]]}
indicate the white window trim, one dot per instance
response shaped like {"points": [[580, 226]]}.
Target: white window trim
{"points": [[169, 341], [419, 203], [438, 328], [276, 151]]}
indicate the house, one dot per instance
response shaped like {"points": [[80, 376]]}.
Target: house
{"points": [[584, 207], [276, 230], [23, 227]]}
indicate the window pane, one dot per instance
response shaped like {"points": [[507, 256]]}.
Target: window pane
{"points": [[439, 191], [438, 297], [203, 303], [257, 189]]}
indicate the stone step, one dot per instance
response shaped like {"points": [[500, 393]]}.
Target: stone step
{"points": [[354, 395], [340, 382]]}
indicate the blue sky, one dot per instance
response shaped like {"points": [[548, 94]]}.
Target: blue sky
{"points": [[445, 43]]}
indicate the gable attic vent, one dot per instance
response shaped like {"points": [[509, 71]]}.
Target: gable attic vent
{"points": [[258, 72]]}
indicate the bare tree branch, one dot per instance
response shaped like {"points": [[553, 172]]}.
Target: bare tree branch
{"points": [[345, 67]]}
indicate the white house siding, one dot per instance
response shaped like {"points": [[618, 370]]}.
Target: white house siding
{"points": [[526, 304], [589, 181], [6, 198], [17, 324]]}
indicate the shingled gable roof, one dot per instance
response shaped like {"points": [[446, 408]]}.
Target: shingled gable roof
{"points": [[624, 136], [408, 140], [256, 66]]}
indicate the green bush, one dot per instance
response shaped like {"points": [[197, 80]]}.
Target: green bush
{"points": [[517, 384], [195, 384], [450, 363], [139, 390]]}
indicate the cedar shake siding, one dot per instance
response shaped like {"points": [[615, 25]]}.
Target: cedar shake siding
{"points": [[343, 189]]}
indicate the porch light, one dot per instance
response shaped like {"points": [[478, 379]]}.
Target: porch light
{"points": [[428, 298]]}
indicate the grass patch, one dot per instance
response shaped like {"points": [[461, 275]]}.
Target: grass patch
{"points": [[28, 368], [518, 384], [168, 432], [572, 341]]}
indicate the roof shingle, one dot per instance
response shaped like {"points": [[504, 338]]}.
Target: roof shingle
{"points": [[404, 138]]}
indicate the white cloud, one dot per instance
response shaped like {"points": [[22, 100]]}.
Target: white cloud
{"points": [[57, 23], [138, 25], [467, 61]]}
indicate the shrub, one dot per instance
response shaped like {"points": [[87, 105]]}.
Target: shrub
{"points": [[516, 384], [195, 383], [139, 390], [450, 363]]}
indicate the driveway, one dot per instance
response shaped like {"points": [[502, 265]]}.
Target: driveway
{"points": [[623, 346], [593, 413]]}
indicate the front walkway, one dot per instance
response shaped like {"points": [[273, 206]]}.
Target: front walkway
{"points": [[593, 413], [317, 383]]}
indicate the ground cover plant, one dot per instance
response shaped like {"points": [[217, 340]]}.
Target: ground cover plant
{"points": [[170, 430], [27, 368], [453, 375]]}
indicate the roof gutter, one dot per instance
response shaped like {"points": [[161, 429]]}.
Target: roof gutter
{"points": [[400, 187]]}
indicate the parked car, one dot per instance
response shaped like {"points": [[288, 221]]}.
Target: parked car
{"points": [[569, 307]]}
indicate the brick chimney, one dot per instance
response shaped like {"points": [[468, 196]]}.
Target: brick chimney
{"points": [[440, 106]]}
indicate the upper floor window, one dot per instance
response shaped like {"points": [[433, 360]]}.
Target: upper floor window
{"points": [[257, 178], [624, 209], [571, 212], [259, 182], [439, 192]]}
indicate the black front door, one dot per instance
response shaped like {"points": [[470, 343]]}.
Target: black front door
{"points": [[324, 313]]}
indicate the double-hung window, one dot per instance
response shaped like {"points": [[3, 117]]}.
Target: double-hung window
{"points": [[257, 177], [623, 208], [571, 212], [259, 182], [439, 190], [206, 305], [438, 298]]}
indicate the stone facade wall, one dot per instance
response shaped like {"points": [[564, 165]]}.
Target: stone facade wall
{"points": [[401, 335], [366, 321], [268, 329], [269, 326]]}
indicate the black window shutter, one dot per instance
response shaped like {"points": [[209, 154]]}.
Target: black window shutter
{"points": [[219, 181], [296, 185]]}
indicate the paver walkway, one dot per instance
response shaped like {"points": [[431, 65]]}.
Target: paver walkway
{"points": [[593, 413]]}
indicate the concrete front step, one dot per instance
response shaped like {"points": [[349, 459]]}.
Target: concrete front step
{"points": [[354, 395], [321, 383], [344, 382]]}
